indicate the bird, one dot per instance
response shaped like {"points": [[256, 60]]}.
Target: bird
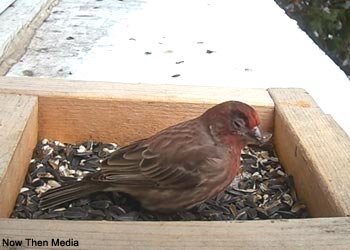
{"points": [[177, 168]]}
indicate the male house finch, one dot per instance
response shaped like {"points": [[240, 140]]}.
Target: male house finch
{"points": [[178, 167]]}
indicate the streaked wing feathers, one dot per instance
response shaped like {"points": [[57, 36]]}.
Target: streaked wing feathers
{"points": [[137, 164]]}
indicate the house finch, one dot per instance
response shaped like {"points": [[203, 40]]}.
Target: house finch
{"points": [[178, 167]]}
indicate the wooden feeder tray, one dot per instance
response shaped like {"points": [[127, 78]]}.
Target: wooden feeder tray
{"points": [[310, 145]]}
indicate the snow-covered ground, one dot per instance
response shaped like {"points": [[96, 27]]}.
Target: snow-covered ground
{"points": [[253, 44]]}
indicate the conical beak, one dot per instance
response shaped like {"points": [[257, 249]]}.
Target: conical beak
{"points": [[256, 135]]}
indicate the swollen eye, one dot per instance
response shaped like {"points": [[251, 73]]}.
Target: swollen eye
{"points": [[239, 123]]}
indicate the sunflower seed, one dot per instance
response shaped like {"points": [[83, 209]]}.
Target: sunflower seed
{"points": [[262, 190]]}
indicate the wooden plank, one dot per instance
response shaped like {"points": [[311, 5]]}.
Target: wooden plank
{"points": [[4, 4], [18, 137], [18, 26], [132, 91], [314, 150], [74, 111], [321, 233]]}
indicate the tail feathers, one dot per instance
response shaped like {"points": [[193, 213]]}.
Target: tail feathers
{"points": [[70, 192]]}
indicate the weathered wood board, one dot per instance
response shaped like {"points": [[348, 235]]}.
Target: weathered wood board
{"points": [[320, 233], [309, 143], [4, 4], [314, 150], [18, 26], [18, 137], [74, 111]]}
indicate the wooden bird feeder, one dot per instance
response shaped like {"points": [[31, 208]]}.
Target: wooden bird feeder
{"points": [[310, 145]]}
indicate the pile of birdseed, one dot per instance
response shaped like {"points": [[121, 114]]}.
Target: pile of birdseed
{"points": [[262, 190]]}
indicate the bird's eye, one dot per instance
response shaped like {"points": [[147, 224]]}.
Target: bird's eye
{"points": [[238, 123]]}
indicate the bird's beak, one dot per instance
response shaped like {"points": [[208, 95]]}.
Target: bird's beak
{"points": [[257, 136]]}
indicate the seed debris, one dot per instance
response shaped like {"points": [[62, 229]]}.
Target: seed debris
{"points": [[262, 189]]}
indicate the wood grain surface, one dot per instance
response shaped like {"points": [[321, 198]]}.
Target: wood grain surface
{"points": [[315, 150], [18, 137], [321, 233], [75, 111]]}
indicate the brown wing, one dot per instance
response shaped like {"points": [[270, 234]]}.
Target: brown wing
{"points": [[121, 168], [159, 161]]}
